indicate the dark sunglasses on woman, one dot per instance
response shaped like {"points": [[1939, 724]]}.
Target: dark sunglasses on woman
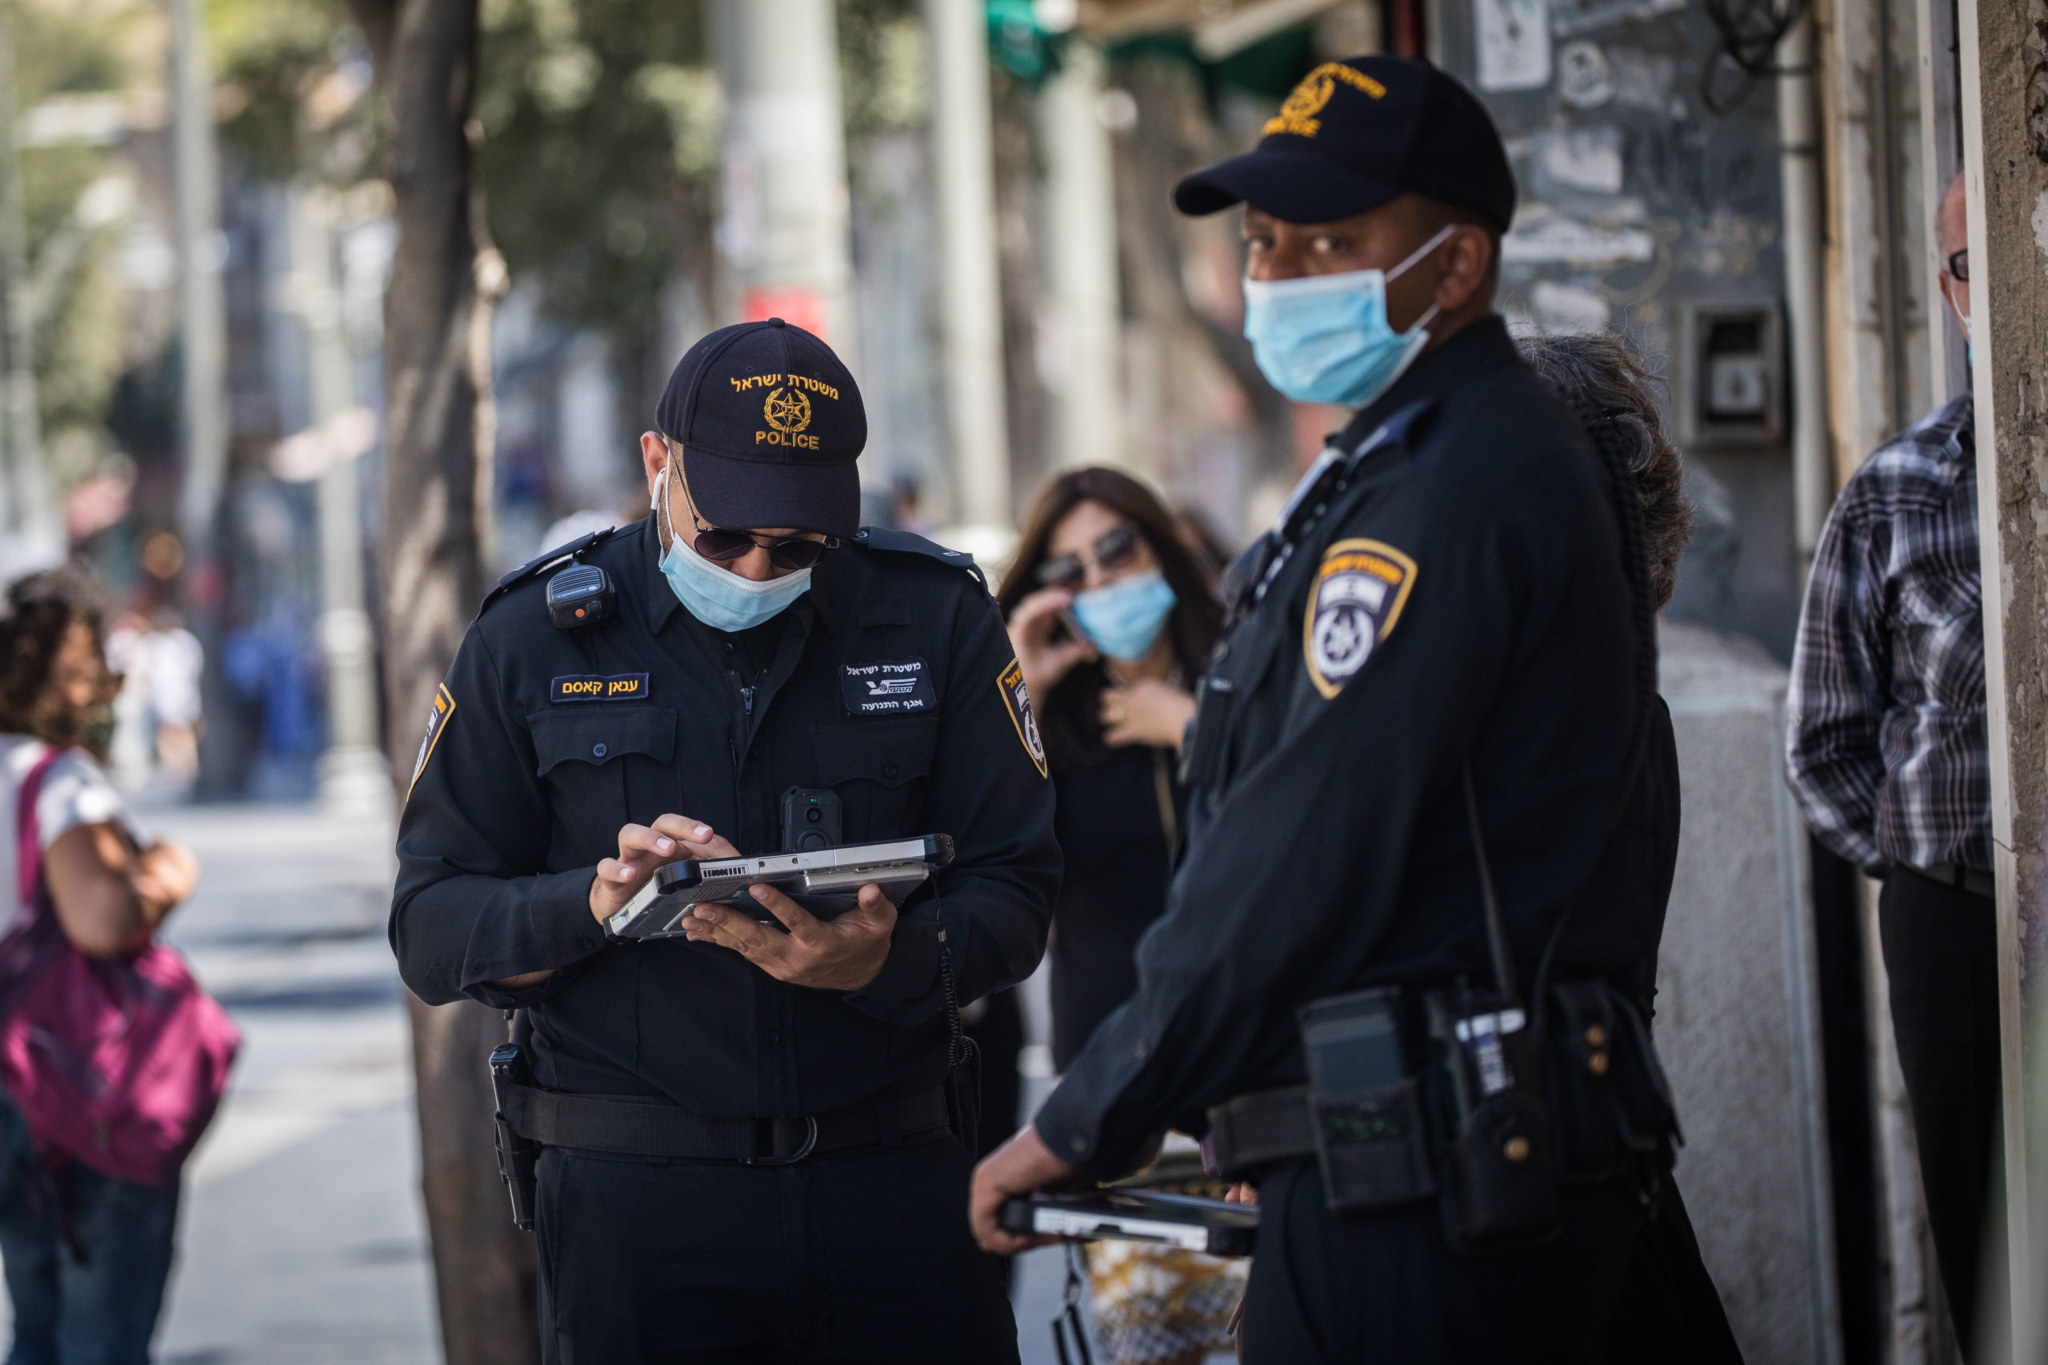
{"points": [[1114, 549]]}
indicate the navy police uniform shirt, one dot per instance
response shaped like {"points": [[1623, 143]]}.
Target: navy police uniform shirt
{"points": [[890, 681], [1464, 599]]}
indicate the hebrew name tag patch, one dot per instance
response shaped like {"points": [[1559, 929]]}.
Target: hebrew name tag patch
{"points": [[591, 687], [887, 687]]}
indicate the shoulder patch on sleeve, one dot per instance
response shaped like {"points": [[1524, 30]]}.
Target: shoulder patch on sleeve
{"points": [[1360, 588], [1017, 701], [444, 710]]}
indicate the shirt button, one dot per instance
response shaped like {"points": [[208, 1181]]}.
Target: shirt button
{"points": [[774, 1037], [599, 750], [888, 770], [1079, 1144], [1140, 1050], [726, 646]]}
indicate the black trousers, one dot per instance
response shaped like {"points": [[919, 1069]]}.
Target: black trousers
{"points": [[1670, 1312], [1941, 953], [1388, 1287], [855, 1256]]}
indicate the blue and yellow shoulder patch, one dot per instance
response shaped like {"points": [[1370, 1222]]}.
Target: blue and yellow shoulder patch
{"points": [[1360, 588], [1017, 701], [444, 709]]}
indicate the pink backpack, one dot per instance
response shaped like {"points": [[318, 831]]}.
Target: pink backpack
{"points": [[117, 1064]]}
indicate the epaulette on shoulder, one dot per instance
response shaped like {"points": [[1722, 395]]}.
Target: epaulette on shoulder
{"points": [[539, 564], [903, 542], [1400, 426]]}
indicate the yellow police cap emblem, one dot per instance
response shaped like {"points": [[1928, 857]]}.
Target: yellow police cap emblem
{"points": [[1298, 114], [787, 410]]}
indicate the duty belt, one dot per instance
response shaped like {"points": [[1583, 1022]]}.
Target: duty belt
{"points": [[642, 1127], [1262, 1127]]}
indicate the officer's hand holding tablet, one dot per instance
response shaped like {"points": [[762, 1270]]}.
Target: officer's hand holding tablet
{"points": [[843, 953]]}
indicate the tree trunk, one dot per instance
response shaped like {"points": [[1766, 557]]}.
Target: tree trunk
{"points": [[438, 438]]}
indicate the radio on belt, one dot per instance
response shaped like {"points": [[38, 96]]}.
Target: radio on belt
{"points": [[580, 595]]}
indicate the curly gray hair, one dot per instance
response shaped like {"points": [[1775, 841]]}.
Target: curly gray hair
{"points": [[1603, 374]]}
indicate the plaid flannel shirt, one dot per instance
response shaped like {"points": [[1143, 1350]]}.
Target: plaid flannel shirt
{"points": [[1887, 748]]}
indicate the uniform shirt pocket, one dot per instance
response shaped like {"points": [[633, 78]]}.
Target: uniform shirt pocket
{"points": [[880, 770], [584, 757]]}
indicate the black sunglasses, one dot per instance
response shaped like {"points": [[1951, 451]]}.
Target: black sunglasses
{"points": [[721, 545], [1959, 266], [1114, 548], [718, 544]]}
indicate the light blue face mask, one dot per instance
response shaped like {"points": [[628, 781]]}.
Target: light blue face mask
{"points": [[719, 597], [1124, 619], [1326, 338]]}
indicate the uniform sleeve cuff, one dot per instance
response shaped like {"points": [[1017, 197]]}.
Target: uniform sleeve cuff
{"points": [[559, 932], [1069, 1133], [907, 972]]}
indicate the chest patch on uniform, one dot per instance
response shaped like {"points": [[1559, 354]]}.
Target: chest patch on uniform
{"points": [[437, 721], [1359, 591], [593, 687], [1017, 701], [887, 687]]}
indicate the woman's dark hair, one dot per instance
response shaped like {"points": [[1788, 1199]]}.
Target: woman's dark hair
{"points": [[1603, 375], [41, 609], [1197, 617]]}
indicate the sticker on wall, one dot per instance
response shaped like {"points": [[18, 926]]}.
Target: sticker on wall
{"points": [[1514, 43], [1585, 78]]}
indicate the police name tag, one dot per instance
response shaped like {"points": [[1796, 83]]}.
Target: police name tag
{"points": [[1359, 591], [591, 687], [892, 687]]}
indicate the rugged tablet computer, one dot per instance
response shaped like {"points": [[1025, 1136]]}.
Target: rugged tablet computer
{"points": [[824, 882], [1179, 1220]]}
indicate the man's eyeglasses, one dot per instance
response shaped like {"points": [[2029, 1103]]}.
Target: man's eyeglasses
{"points": [[1959, 266], [1114, 549]]}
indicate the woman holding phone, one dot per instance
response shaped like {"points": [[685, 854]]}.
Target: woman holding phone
{"points": [[1113, 618]]}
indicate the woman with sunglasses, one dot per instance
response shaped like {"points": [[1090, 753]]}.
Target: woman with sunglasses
{"points": [[1113, 618]]}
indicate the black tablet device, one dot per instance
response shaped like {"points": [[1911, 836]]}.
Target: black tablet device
{"points": [[824, 882], [1138, 1216]]}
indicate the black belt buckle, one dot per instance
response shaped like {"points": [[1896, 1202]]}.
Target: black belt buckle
{"points": [[810, 1143]]}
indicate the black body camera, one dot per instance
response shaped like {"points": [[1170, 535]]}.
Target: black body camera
{"points": [[810, 820]]}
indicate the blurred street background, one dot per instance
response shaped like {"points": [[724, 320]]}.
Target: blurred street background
{"points": [[318, 315]]}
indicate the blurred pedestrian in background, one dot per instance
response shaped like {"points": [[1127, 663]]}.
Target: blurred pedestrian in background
{"points": [[86, 1254], [1113, 615]]}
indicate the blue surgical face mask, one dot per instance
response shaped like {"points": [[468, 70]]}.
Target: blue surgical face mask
{"points": [[1326, 338], [1124, 619], [719, 597]]}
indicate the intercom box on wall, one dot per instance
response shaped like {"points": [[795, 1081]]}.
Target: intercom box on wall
{"points": [[1731, 375]]}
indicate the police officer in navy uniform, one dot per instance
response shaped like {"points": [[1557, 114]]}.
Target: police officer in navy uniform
{"points": [[749, 1148], [1447, 593]]}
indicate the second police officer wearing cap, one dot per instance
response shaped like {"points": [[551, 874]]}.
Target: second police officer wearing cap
{"points": [[749, 1151], [1447, 599]]}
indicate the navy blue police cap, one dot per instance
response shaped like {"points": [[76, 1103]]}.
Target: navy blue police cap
{"points": [[1357, 133], [770, 424]]}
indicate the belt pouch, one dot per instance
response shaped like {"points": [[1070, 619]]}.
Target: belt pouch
{"points": [[1500, 1173], [1583, 1104], [1365, 1109]]}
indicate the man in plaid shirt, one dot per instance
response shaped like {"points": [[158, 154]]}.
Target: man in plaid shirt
{"points": [[1888, 754]]}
